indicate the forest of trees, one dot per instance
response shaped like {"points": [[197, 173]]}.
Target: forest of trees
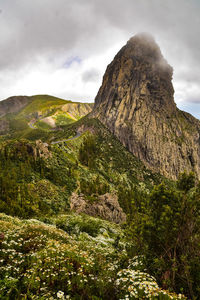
{"points": [[164, 227], [163, 224], [23, 173]]}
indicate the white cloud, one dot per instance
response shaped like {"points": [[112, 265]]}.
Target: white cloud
{"points": [[54, 76], [38, 38], [187, 91]]}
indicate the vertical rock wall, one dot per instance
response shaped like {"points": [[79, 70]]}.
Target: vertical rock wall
{"points": [[136, 102]]}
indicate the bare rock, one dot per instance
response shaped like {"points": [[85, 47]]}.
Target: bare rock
{"points": [[42, 149], [77, 110], [106, 207], [136, 103], [49, 121]]}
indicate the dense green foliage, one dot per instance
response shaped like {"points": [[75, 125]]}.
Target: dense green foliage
{"points": [[37, 180], [42, 125], [93, 164], [30, 183], [165, 228], [42, 103], [63, 119], [88, 151]]}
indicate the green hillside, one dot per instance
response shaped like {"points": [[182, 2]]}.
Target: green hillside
{"points": [[54, 253], [92, 164], [42, 112], [42, 103]]}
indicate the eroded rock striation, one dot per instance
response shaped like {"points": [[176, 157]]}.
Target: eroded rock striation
{"points": [[77, 110], [136, 102]]}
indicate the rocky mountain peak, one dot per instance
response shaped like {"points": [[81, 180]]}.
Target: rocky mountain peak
{"points": [[136, 102], [144, 42], [140, 71]]}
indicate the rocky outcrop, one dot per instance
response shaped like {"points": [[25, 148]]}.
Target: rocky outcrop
{"points": [[49, 121], [77, 110], [136, 102], [106, 207], [42, 150], [13, 104]]}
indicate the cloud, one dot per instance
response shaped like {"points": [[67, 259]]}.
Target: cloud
{"points": [[187, 91], [91, 75], [63, 47]]}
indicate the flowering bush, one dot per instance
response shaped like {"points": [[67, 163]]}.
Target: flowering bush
{"points": [[140, 285], [133, 283], [40, 261]]}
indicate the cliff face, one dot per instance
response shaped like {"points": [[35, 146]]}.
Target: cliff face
{"points": [[136, 103], [77, 110]]}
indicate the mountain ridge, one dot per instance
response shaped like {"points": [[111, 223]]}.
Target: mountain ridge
{"points": [[44, 111]]}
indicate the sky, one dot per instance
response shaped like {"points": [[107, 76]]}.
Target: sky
{"points": [[62, 47]]}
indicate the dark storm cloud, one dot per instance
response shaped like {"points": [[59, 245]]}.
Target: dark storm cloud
{"points": [[33, 31]]}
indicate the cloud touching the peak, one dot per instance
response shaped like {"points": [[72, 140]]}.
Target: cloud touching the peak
{"points": [[63, 47]]}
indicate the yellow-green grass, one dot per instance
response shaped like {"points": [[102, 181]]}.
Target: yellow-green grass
{"points": [[42, 103]]}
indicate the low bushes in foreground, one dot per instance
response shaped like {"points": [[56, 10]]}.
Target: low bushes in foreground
{"points": [[40, 261]]}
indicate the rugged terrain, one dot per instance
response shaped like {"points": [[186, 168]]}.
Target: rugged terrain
{"points": [[60, 252], [81, 217], [20, 113], [136, 103], [45, 173]]}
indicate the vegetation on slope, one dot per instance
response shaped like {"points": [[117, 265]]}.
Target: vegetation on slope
{"points": [[37, 180], [34, 116], [165, 228], [41, 261], [42, 103]]}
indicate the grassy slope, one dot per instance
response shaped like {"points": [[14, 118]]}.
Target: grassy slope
{"points": [[40, 106], [42, 103]]}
